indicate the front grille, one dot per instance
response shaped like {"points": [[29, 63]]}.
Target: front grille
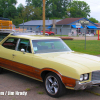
{"points": [[95, 75]]}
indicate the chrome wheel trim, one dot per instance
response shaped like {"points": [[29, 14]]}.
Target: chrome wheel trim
{"points": [[52, 85]]}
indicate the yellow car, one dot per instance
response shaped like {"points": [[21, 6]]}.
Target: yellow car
{"points": [[50, 60]]}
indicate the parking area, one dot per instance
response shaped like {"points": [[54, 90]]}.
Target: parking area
{"points": [[12, 85]]}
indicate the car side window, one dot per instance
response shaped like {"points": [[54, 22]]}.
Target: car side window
{"points": [[24, 44], [10, 43]]}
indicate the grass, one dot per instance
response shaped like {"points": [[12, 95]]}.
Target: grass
{"points": [[28, 89], [93, 92], [92, 46], [40, 92], [61, 35]]}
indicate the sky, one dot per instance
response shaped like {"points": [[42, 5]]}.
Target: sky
{"points": [[94, 7]]}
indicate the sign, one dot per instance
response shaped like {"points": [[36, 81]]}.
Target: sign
{"points": [[78, 25], [84, 22]]}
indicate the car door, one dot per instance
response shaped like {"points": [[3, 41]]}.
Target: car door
{"points": [[6, 51], [23, 58]]}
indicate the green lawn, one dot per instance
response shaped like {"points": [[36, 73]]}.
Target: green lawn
{"points": [[92, 46]]}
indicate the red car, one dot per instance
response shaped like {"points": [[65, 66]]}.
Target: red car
{"points": [[49, 32]]}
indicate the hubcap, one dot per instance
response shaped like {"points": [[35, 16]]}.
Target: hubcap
{"points": [[52, 85]]}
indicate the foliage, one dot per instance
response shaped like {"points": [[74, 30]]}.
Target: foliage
{"points": [[78, 9], [10, 12], [7, 3], [20, 9], [37, 14], [37, 4], [56, 8], [6, 6], [93, 20], [28, 12], [17, 20]]}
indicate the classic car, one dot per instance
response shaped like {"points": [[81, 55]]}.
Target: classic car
{"points": [[49, 32], [49, 60]]}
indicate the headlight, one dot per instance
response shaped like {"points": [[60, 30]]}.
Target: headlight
{"points": [[86, 76], [81, 78]]}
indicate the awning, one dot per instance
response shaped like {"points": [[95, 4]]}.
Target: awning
{"points": [[74, 26], [92, 27], [49, 27], [37, 26]]}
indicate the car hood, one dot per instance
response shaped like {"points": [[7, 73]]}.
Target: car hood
{"points": [[79, 61]]}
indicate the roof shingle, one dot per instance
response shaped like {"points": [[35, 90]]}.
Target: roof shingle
{"points": [[67, 21], [98, 24]]}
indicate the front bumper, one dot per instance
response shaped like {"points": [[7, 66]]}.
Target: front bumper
{"points": [[82, 86]]}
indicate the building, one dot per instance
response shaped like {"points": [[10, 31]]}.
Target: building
{"points": [[98, 28], [61, 27], [68, 25], [37, 25]]}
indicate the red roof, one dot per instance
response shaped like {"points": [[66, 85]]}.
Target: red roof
{"points": [[67, 21], [98, 24]]}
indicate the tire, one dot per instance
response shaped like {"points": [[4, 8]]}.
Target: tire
{"points": [[1, 70], [53, 85], [52, 34]]}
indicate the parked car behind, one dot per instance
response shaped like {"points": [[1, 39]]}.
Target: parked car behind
{"points": [[49, 32]]}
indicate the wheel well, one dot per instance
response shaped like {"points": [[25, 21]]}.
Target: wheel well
{"points": [[44, 73]]}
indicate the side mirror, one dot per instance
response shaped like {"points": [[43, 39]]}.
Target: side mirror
{"points": [[23, 50]]}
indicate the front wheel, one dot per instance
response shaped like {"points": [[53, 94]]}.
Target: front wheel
{"points": [[53, 85], [52, 33]]}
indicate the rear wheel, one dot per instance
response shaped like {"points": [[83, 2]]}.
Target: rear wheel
{"points": [[1, 70], [53, 85]]}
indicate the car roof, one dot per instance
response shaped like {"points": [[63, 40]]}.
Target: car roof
{"points": [[31, 36]]}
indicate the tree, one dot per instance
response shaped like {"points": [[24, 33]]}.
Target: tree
{"points": [[5, 4], [10, 12], [28, 12], [93, 20], [56, 8], [17, 20], [36, 3], [1, 12], [20, 9], [78, 9], [37, 14]]}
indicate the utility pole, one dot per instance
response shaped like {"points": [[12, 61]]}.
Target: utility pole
{"points": [[43, 17], [84, 23]]}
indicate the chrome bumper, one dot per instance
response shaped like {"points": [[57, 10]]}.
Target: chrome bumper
{"points": [[82, 86]]}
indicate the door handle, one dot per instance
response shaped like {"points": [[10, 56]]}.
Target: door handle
{"points": [[13, 55]]}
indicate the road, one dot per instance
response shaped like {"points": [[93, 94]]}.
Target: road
{"points": [[11, 84]]}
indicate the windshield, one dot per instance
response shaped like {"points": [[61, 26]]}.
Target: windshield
{"points": [[49, 45]]}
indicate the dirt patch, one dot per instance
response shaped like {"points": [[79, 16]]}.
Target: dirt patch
{"points": [[66, 38], [87, 38]]}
